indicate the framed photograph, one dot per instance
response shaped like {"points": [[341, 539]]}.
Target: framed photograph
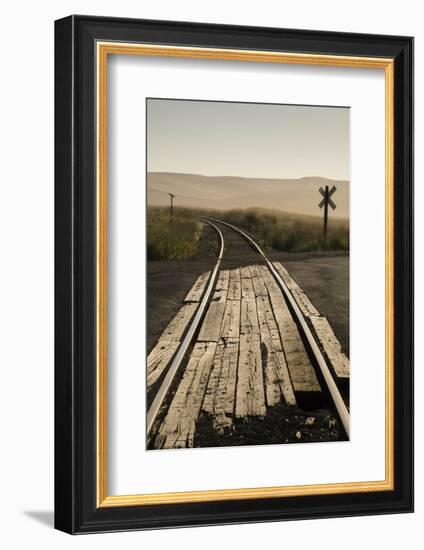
{"points": [[234, 274]]}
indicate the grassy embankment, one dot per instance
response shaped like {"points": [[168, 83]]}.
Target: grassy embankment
{"points": [[171, 239], [288, 232]]}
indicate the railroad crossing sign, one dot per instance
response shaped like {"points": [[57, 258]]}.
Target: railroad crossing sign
{"points": [[327, 193]]}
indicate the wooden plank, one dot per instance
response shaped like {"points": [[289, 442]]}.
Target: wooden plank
{"points": [[302, 373], [234, 287], [248, 317], [332, 346], [258, 283], [196, 291], [325, 334], [266, 318], [278, 386], [245, 273], [179, 426], [247, 291], [248, 314], [227, 381], [210, 330], [158, 360], [250, 394], [221, 288], [211, 326], [230, 327], [177, 327], [220, 393]]}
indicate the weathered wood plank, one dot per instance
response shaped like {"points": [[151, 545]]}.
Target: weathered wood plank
{"points": [[278, 386], [230, 327], [220, 393], [250, 394], [247, 291], [332, 346], [210, 330], [258, 283], [245, 272], [248, 314], [302, 374], [221, 288], [266, 318], [234, 287], [211, 326], [196, 291], [178, 428], [323, 330], [248, 317], [158, 360]]}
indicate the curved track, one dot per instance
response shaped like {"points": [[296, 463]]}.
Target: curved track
{"points": [[196, 322], [185, 344], [331, 385]]}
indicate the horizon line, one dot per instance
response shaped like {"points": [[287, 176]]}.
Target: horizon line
{"points": [[244, 177]]}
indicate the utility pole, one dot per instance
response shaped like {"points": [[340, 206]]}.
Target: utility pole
{"points": [[172, 203], [327, 193]]}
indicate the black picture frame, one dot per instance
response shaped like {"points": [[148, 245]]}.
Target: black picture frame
{"points": [[76, 508]]}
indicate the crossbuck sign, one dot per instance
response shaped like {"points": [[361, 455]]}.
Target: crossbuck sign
{"points": [[327, 193]]}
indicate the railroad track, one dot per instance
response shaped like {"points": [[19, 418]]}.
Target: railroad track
{"points": [[246, 338], [185, 343]]}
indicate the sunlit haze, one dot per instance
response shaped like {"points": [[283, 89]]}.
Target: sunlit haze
{"points": [[247, 140]]}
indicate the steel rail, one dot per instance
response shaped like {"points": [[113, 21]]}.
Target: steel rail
{"points": [[331, 385], [185, 344]]}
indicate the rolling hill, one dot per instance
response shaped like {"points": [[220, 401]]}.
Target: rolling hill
{"points": [[228, 192]]}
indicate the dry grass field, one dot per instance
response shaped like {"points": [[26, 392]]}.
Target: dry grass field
{"points": [[177, 238]]}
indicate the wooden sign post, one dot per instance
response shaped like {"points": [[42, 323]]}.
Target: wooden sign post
{"points": [[327, 193], [172, 203]]}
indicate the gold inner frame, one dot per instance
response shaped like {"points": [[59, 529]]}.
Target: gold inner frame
{"points": [[104, 49]]}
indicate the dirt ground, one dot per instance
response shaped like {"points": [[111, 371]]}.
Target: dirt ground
{"points": [[282, 424]]}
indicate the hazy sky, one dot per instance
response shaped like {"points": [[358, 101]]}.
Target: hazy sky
{"points": [[244, 139]]}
